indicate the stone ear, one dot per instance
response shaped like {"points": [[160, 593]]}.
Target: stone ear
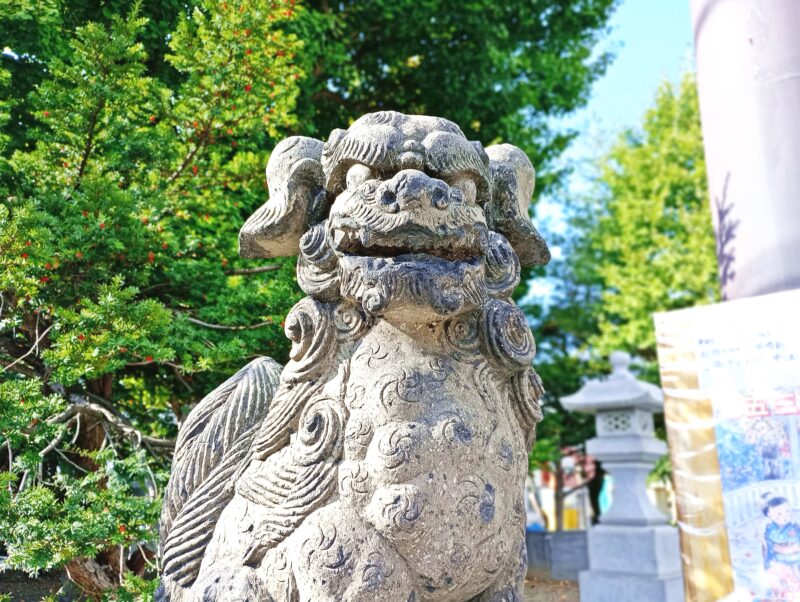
{"points": [[513, 180], [296, 200]]}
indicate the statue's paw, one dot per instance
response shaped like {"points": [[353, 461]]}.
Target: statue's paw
{"points": [[231, 584]]}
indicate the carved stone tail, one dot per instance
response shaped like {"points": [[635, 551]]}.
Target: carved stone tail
{"points": [[212, 446]]}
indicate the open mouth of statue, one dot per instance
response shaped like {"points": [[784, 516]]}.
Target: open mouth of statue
{"points": [[411, 244]]}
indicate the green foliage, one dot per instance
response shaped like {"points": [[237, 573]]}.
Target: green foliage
{"points": [[501, 70], [71, 516], [651, 242], [642, 243], [122, 299]]}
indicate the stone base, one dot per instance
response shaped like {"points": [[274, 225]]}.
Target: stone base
{"points": [[562, 555], [628, 564], [603, 586], [568, 555]]}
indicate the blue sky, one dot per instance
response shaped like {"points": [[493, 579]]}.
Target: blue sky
{"points": [[651, 41]]}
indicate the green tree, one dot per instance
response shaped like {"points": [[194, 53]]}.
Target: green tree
{"points": [[501, 70], [641, 243], [649, 241], [122, 297]]}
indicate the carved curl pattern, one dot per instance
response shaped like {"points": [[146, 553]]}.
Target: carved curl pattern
{"points": [[502, 266], [350, 321], [506, 338], [320, 432], [309, 328], [317, 266], [461, 333], [526, 391]]}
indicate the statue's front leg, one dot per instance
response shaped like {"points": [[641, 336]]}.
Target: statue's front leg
{"points": [[335, 556], [224, 575]]}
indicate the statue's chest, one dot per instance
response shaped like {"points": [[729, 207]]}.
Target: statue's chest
{"points": [[432, 452], [447, 399]]}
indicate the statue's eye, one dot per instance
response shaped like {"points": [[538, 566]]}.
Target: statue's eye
{"points": [[357, 175], [467, 187]]}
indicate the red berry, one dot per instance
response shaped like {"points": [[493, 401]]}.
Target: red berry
{"points": [[248, 87], [164, 245], [81, 337], [65, 164], [152, 118], [27, 243], [78, 254], [248, 51], [85, 213], [24, 255], [145, 220], [46, 113], [122, 529], [194, 169], [149, 358], [102, 225], [44, 279], [123, 349], [233, 143], [151, 257]]}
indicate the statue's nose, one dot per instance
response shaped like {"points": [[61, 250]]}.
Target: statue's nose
{"points": [[412, 188]]}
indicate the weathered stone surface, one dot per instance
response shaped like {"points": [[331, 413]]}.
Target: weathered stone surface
{"points": [[387, 460]]}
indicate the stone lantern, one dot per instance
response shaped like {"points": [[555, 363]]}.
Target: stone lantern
{"points": [[634, 554]]}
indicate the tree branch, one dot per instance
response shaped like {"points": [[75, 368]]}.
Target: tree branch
{"points": [[31, 350], [225, 327], [58, 439], [114, 422], [87, 149], [21, 369], [202, 140], [248, 271]]}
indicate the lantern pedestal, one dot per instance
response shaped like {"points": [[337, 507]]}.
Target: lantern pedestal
{"points": [[634, 554]]}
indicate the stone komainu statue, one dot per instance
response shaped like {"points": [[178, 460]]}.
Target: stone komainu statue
{"points": [[386, 460]]}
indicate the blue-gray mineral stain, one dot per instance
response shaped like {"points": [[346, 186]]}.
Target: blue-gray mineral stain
{"points": [[486, 508]]}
